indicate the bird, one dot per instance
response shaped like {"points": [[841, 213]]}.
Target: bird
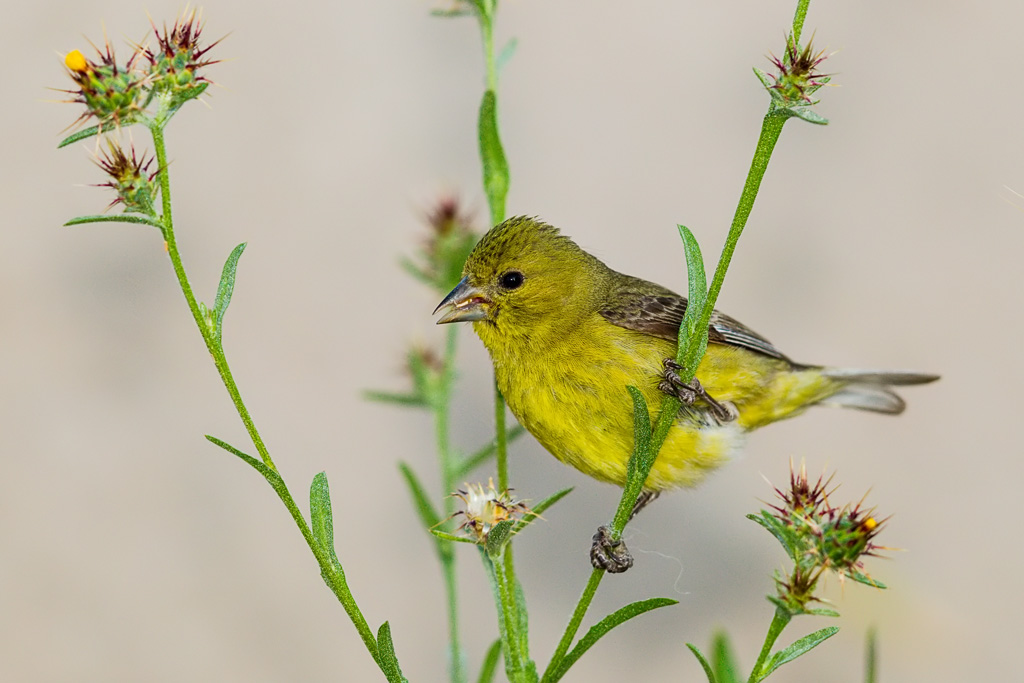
{"points": [[567, 334]]}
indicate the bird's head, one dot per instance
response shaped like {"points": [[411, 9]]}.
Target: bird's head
{"points": [[524, 279]]}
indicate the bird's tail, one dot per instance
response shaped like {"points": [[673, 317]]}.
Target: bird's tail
{"points": [[871, 389]]}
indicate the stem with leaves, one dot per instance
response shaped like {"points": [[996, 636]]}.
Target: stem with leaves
{"points": [[693, 332]]}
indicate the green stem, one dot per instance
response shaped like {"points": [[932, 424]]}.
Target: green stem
{"points": [[449, 470], [212, 344], [798, 20], [771, 128], [574, 623], [506, 596], [332, 572], [779, 622]]}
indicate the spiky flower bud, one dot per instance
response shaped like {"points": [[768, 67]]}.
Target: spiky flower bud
{"points": [[797, 77], [175, 64], [484, 508], [130, 177], [113, 94], [446, 248], [819, 538]]}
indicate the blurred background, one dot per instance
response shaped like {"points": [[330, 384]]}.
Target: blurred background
{"points": [[131, 549]]}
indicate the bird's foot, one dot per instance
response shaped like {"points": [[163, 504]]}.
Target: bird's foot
{"points": [[608, 553], [612, 555], [688, 393]]}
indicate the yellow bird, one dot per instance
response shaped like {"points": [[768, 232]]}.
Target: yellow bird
{"points": [[567, 334]]}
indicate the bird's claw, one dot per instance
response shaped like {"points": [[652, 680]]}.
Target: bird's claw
{"points": [[608, 553], [688, 393]]}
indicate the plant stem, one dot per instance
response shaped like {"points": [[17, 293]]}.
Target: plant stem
{"points": [[332, 572], [771, 128], [574, 623], [449, 469], [779, 622], [212, 344]]}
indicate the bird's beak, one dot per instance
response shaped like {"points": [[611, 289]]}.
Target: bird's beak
{"points": [[465, 303]]}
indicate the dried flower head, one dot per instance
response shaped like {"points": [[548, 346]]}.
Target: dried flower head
{"points": [[130, 178], [174, 65], [113, 94], [797, 76], [486, 507]]}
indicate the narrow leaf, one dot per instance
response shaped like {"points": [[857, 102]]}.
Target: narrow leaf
{"points": [[506, 54], [499, 534], [641, 436], [871, 665], [696, 341], [444, 535], [805, 644], [703, 662], [320, 516], [386, 652], [486, 453], [428, 514], [536, 511], [226, 288], [116, 218], [775, 527], [860, 577], [493, 157], [256, 464], [410, 400], [724, 661], [490, 665], [604, 626], [809, 115], [80, 135]]}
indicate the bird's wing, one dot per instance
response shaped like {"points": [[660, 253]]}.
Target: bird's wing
{"points": [[649, 308]]}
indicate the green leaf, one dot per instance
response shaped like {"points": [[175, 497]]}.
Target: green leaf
{"points": [[536, 510], [602, 627], [726, 668], [80, 135], [703, 662], [320, 518], [498, 536], [765, 79], [506, 54], [268, 474], [386, 652], [809, 115], [445, 536], [638, 461], [428, 514], [490, 665], [777, 529], [396, 398], [493, 157], [225, 289], [183, 96], [860, 577], [821, 612], [696, 341], [800, 647], [871, 663], [116, 218], [486, 453]]}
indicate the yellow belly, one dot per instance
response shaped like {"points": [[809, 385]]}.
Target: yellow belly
{"points": [[574, 401]]}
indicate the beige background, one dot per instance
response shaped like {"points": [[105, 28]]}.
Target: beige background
{"points": [[131, 549]]}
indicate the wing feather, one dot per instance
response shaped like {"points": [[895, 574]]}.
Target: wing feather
{"points": [[642, 306]]}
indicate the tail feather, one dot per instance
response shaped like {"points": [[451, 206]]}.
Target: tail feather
{"points": [[870, 389]]}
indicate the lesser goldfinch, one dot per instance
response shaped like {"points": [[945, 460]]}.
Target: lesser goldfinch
{"points": [[567, 334]]}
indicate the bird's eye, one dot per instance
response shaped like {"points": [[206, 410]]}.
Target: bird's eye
{"points": [[513, 279]]}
